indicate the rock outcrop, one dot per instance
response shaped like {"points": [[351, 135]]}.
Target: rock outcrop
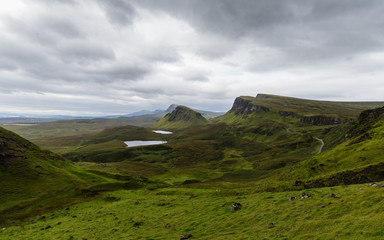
{"points": [[244, 107], [320, 120]]}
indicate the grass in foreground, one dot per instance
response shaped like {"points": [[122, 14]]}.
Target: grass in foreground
{"points": [[355, 213]]}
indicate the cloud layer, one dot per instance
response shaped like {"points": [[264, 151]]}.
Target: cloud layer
{"points": [[114, 57]]}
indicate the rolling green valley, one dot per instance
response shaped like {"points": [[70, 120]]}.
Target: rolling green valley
{"points": [[272, 167]]}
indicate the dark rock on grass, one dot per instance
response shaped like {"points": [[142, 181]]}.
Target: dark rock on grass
{"points": [[47, 227], [333, 195], [111, 199], [137, 224], [271, 225], [59, 223], [191, 181], [291, 198], [192, 196], [298, 183], [162, 204], [67, 209], [186, 236], [235, 207]]}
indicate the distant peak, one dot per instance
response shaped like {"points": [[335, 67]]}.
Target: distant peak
{"points": [[171, 108]]}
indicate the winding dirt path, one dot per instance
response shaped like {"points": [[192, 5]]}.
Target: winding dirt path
{"points": [[322, 144]]}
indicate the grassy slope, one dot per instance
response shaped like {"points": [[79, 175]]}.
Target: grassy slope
{"points": [[34, 180], [361, 149], [170, 213]]}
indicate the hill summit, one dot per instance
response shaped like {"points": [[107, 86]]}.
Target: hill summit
{"points": [[181, 117]]}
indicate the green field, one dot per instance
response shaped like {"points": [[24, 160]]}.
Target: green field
{"points": [[355, 213]]}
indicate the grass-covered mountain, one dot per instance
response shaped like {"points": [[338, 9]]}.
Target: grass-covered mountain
{"points": [[181, 117]]}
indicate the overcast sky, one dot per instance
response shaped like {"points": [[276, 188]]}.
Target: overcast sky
{"points": [[99, 57]]}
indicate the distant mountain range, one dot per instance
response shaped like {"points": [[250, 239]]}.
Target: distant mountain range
{"points": [[137, 116]]}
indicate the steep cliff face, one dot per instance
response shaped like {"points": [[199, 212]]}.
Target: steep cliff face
{"points": [[244, 107], [320, 120]]}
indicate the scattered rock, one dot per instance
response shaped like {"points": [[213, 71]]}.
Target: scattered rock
{"points": [[322, 206], [192, 196], [137, 203], [111, 199], [305, 195], [59, 223], [376, 185], [333, 195], [186, 236], [42, 217], [191, 181], [291, 198], [67, 208], [137, 224], [235, 207], [47, 227], [271, 225], [298, 183]]}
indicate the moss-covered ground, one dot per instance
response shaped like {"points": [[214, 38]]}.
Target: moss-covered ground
{"points": [[353, 212]]}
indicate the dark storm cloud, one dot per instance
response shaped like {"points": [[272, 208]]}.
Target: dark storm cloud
{"points": [[118, 11]]}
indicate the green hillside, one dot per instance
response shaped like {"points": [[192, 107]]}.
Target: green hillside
{"points": [[351, 212], [291, 164], [181, 117], [358, 159], [29, 173], [34, 180]]}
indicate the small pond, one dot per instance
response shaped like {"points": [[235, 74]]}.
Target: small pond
{"points": [[143, 143], [162, 132]]}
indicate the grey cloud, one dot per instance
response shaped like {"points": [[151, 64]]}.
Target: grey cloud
{"points": [[125, 72], [303, 31], [119, 12], [84, 52], [195, 74], [62, 27]]}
